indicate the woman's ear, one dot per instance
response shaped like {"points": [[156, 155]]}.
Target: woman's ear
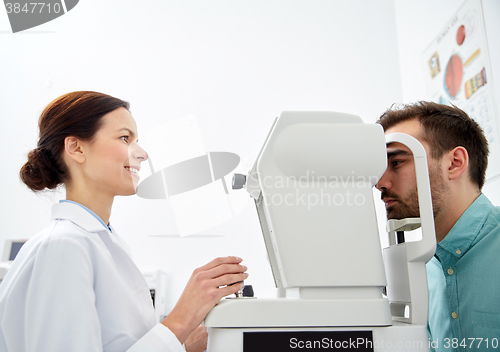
{"points": [[73, 148], [458, 162]]}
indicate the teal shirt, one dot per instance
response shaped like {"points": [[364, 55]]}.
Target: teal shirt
{"points": [[464, 283]]}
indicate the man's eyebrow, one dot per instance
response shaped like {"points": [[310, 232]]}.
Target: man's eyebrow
{"points": [[397, 152]]}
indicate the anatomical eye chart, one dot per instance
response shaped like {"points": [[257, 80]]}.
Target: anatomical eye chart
{"points": [[457, 71]]}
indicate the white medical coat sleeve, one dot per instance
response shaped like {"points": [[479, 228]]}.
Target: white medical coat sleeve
{"points": [[62, 279], [160, 338]]}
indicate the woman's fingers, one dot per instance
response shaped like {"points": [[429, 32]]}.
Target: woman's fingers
{"points": [[229, 279], [212, 280], [220, 261], [221, 270], [229, 290]]}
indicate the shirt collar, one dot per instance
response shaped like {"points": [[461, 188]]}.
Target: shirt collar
{"points": [[464, 232], [78, 214]]}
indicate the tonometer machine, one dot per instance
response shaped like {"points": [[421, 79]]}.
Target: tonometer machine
{"points": [[313, 188]]}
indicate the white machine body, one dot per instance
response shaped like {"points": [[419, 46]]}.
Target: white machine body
{"points": [[313, 188]]}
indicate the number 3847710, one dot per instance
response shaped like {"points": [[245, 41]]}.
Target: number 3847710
{"points": [[33, 7], [471, 342]]}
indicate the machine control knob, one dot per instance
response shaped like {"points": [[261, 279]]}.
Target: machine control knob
{"points": [[247, 291], [239, 181]]}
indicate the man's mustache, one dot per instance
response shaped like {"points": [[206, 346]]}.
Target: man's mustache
{"points": [[387, 194]]}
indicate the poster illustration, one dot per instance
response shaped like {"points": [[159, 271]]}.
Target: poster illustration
{"points": [[458, 71]]}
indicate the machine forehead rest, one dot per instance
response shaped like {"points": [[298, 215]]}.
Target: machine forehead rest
{"points": [[331, 149]]}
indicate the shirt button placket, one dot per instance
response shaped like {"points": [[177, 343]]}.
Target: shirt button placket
{"points": [[449, 266]]}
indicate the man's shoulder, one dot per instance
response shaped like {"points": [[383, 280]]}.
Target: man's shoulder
{"points": [[487, 214], [492, 222], [494, 215], [493, 212], [487, 240]]}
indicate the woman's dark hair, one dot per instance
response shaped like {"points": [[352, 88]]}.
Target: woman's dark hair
{"points": [[77, 114], [445, 127]]}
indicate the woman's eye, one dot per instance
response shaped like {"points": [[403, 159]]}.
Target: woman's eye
{"points": [[125, 138]]}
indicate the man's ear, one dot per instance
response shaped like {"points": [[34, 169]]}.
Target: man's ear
{"points": [[73, 148], [457, 161]]}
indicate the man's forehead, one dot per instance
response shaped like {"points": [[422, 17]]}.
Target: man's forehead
{"points": [[396, 148], [412, 127]]}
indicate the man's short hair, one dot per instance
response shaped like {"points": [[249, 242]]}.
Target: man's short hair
{"points": [[445, 128]]}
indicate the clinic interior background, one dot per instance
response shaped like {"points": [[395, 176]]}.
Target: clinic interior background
{"points": [[235, 65]]}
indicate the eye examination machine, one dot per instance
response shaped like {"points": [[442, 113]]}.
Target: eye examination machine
{"points": [[337, 290]]}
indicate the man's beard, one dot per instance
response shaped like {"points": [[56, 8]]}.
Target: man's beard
{"points": [[408, 207], [404, 208]]}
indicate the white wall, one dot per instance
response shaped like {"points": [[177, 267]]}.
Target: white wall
{"points": [[234, 64], [418, 23]]}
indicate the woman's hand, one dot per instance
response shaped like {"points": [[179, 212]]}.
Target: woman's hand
{"points": [[206, 287], [197, 341]]}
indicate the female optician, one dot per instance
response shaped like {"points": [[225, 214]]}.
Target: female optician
{"points": [[74, 287]]}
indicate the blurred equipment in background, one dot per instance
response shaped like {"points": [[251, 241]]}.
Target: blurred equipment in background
{"points": [[11, 248]]}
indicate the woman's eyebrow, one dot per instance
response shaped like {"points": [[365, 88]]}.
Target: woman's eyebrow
{"points": [[127, 129]]}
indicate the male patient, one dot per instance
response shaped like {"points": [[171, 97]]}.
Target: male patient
{"points": [[464, 274]]}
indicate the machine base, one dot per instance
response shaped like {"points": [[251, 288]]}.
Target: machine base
{"points": [[284, 312], [398, 337]]}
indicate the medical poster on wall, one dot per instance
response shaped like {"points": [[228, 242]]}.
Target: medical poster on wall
{"points": [[458, 72]]}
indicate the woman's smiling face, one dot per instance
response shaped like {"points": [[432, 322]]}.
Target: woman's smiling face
{"points": [[113, 156]]}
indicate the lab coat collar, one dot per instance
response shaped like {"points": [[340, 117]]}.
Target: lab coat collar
{"points": [[82, 218], [77, 215]]}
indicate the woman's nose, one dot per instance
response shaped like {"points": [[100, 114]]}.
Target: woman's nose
{"points": [[139, 153]]}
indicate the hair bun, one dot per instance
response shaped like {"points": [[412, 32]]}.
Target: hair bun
{"points": [[77, 114], [40, 171]]}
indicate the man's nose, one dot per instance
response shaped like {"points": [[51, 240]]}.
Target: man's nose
{"points": [[384, 182]]}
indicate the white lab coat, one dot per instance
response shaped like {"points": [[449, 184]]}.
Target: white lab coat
{"points": [[74, 287]]}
